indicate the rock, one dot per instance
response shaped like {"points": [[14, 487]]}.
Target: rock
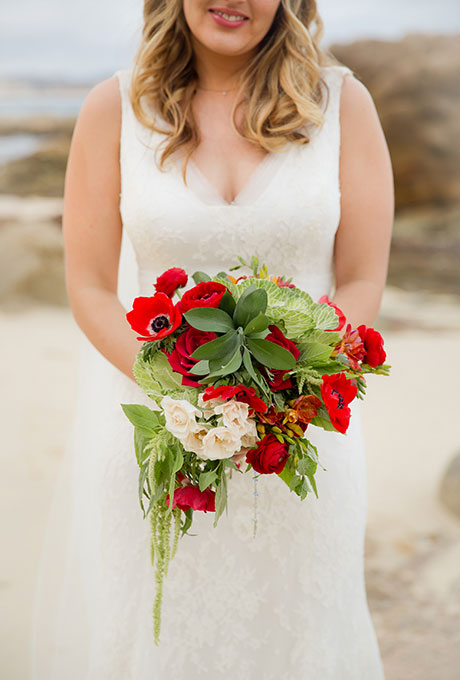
{"points": [[449, 491], [416, 89], [31, 252]]}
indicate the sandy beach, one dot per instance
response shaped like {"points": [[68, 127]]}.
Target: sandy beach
{"points": [[411, 432]]}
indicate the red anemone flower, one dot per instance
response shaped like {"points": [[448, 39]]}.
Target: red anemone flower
{"points": [[154, 317], [337, 392]]}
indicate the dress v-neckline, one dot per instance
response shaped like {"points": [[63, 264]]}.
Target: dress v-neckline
{"points": [[257, 184]]}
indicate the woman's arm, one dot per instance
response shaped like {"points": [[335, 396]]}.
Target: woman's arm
{"points": [[92, 227], [363, 239]]}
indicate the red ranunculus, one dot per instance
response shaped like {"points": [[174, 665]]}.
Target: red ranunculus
{"points": [[180, 359], [154, 317], [269, 456], [373, 344], [279, 382], [189, 496], [341, 315], [204, 294], [337, 392], [170, 280], [239, 392]]}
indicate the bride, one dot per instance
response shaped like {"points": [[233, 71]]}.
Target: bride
{"points": [[234, 133]]}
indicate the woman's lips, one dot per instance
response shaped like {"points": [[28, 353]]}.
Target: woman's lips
{"points": [[228, 23]]}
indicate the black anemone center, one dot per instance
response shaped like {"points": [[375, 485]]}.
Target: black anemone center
{"points": [[159, 322], [341, 403]]}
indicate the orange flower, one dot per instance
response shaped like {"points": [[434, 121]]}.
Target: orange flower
{"points": [[303, 410], [352, 345]]}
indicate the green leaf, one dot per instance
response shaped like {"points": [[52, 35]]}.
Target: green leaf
{"points": [[199, 277], [307, 466], [209, 319], [218, 348], [228, 462], [256, 325], [250, 304], [140, 440], [315, 352], [271, 354], [157, 378], [227, 303], [142, 476], [206, 479], [143, 418], [201, 368], [286, 475], [230, 367], [176, 461], [221, 497], [323, 420]]}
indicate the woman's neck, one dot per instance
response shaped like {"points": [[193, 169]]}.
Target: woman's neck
{"points": [[218, 71]]}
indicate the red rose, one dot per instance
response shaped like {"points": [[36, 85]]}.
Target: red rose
{"points": [[279, 382], [180, 359], [239, 392], [154, 317], [204, 294], [337, 392], [170, 280], [269, 456], [373, 344], [341, 315], [189, 496]]}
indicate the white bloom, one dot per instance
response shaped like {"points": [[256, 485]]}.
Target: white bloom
{"points": [[250, 437], [235, 415], [220, 442], [193, 441], [180, 416], [208, 406]]}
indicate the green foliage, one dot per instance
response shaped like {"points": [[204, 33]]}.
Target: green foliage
{"points": [[199, 277], [270, 353], [209, 319], [157, 379], [300, 468], [220, 347]]}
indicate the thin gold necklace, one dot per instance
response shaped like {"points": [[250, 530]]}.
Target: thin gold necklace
{"points": [[222, 92]]}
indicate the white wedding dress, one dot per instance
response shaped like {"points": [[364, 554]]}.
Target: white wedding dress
{"points": [[288, 604]]}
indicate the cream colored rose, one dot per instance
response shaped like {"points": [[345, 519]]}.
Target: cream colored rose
{"points": [[234, 415], [180, 416], [250, 437], [193, 441], [220, 442], [207, 407]]}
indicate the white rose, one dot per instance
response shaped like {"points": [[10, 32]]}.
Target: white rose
{"points": [[193, 441], [220, 442], [235, 415], [207, 407], [180, 416], [250, 437]]}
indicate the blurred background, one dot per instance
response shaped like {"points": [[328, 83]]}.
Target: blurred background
{"points": [[408, 56]]}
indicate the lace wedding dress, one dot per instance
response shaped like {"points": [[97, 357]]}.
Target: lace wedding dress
{"points": [[289, 603]]}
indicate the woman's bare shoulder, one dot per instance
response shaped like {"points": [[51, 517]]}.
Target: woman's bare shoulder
{"points": [[358, 114], [99, 118]]}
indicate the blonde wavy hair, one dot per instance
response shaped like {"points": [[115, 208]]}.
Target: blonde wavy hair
{"points": [[281, 88]]}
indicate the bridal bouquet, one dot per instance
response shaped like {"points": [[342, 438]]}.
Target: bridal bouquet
{"points": [[238, 368]]}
